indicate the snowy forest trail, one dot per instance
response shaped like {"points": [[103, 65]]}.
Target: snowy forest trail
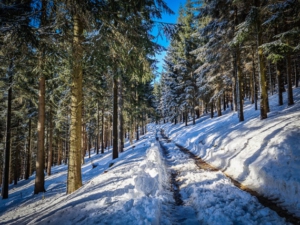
{"points": [[179, 212], [236, 201]]}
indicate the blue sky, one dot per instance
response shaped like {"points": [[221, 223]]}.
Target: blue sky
{"points": [[174, 5]]}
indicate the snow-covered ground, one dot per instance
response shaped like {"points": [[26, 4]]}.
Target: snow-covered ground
{"points": [[262, 154], [213, 196], [131, 191], [136, 189]]}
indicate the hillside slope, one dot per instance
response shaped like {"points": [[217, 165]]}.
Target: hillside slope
{"points": [[262, 154]]}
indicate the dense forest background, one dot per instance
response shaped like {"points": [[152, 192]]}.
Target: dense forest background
{"points": [[77, 75]]}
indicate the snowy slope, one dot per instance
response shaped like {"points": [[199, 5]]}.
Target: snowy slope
{"points": [[136, 188], [262, 154], [129, 192]]}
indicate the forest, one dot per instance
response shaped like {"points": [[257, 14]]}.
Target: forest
{"points": [[77, 75], [226, 52]]}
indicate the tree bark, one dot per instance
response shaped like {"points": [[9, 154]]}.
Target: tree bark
{"points": [[98, 129], [28, 155], [74, 166], [16, 165], [40, 159], [262, 70], [296, 76], [254, 82], [115, 119], [102, 130], [50, 151], [212, 109], [83, 134], [239, 87], [289, 80], [120, 119], [219, 106], [59, 150], [5, 181]]}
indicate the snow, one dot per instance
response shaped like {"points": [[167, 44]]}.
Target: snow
{"points": [[262, 154], [130, 191], [136, 188], [214, 198]]}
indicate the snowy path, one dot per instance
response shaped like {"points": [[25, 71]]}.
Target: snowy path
{"points": [[212, 196], [136, 190], [179, 212]]}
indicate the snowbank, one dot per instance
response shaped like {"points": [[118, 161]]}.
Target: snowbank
{"points": [[262, 154], [130, 192]]}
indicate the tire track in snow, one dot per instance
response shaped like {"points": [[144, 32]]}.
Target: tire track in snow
{"points": [[181, 212], [271, 204]]}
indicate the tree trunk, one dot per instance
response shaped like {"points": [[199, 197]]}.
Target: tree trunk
{"points": [[115, 119], [90, 145], [16, 165], [102, 130], [98, 129], [212, 109], [5, 181], [137, 129], [59, 150], [120, 115], [28, 155], [289, 80], [83, 133], [296, 76], [234, 85], [186, 116], [50, 152], [40, 159], [254, 82], [262, 71], [270, 79], [219, 106], [74, 165], [131, 130], [239, 87]]}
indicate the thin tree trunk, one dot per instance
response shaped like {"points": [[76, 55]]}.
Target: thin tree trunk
{"points": [[28, 155], [239, 86], [16, 166], [219, 106], [59, 150], [50, 152], [74, 166], [5, 181], [224, 101], [270, 78], [296, 77], [212, 109], [234, 85], [251, 89], [90, 145], [289, 80], [137, 129], [98, 129], [115, 119], [83, 133], [131, 130], [120, 115], [102, 130], [262, 72], [254, 82]]}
